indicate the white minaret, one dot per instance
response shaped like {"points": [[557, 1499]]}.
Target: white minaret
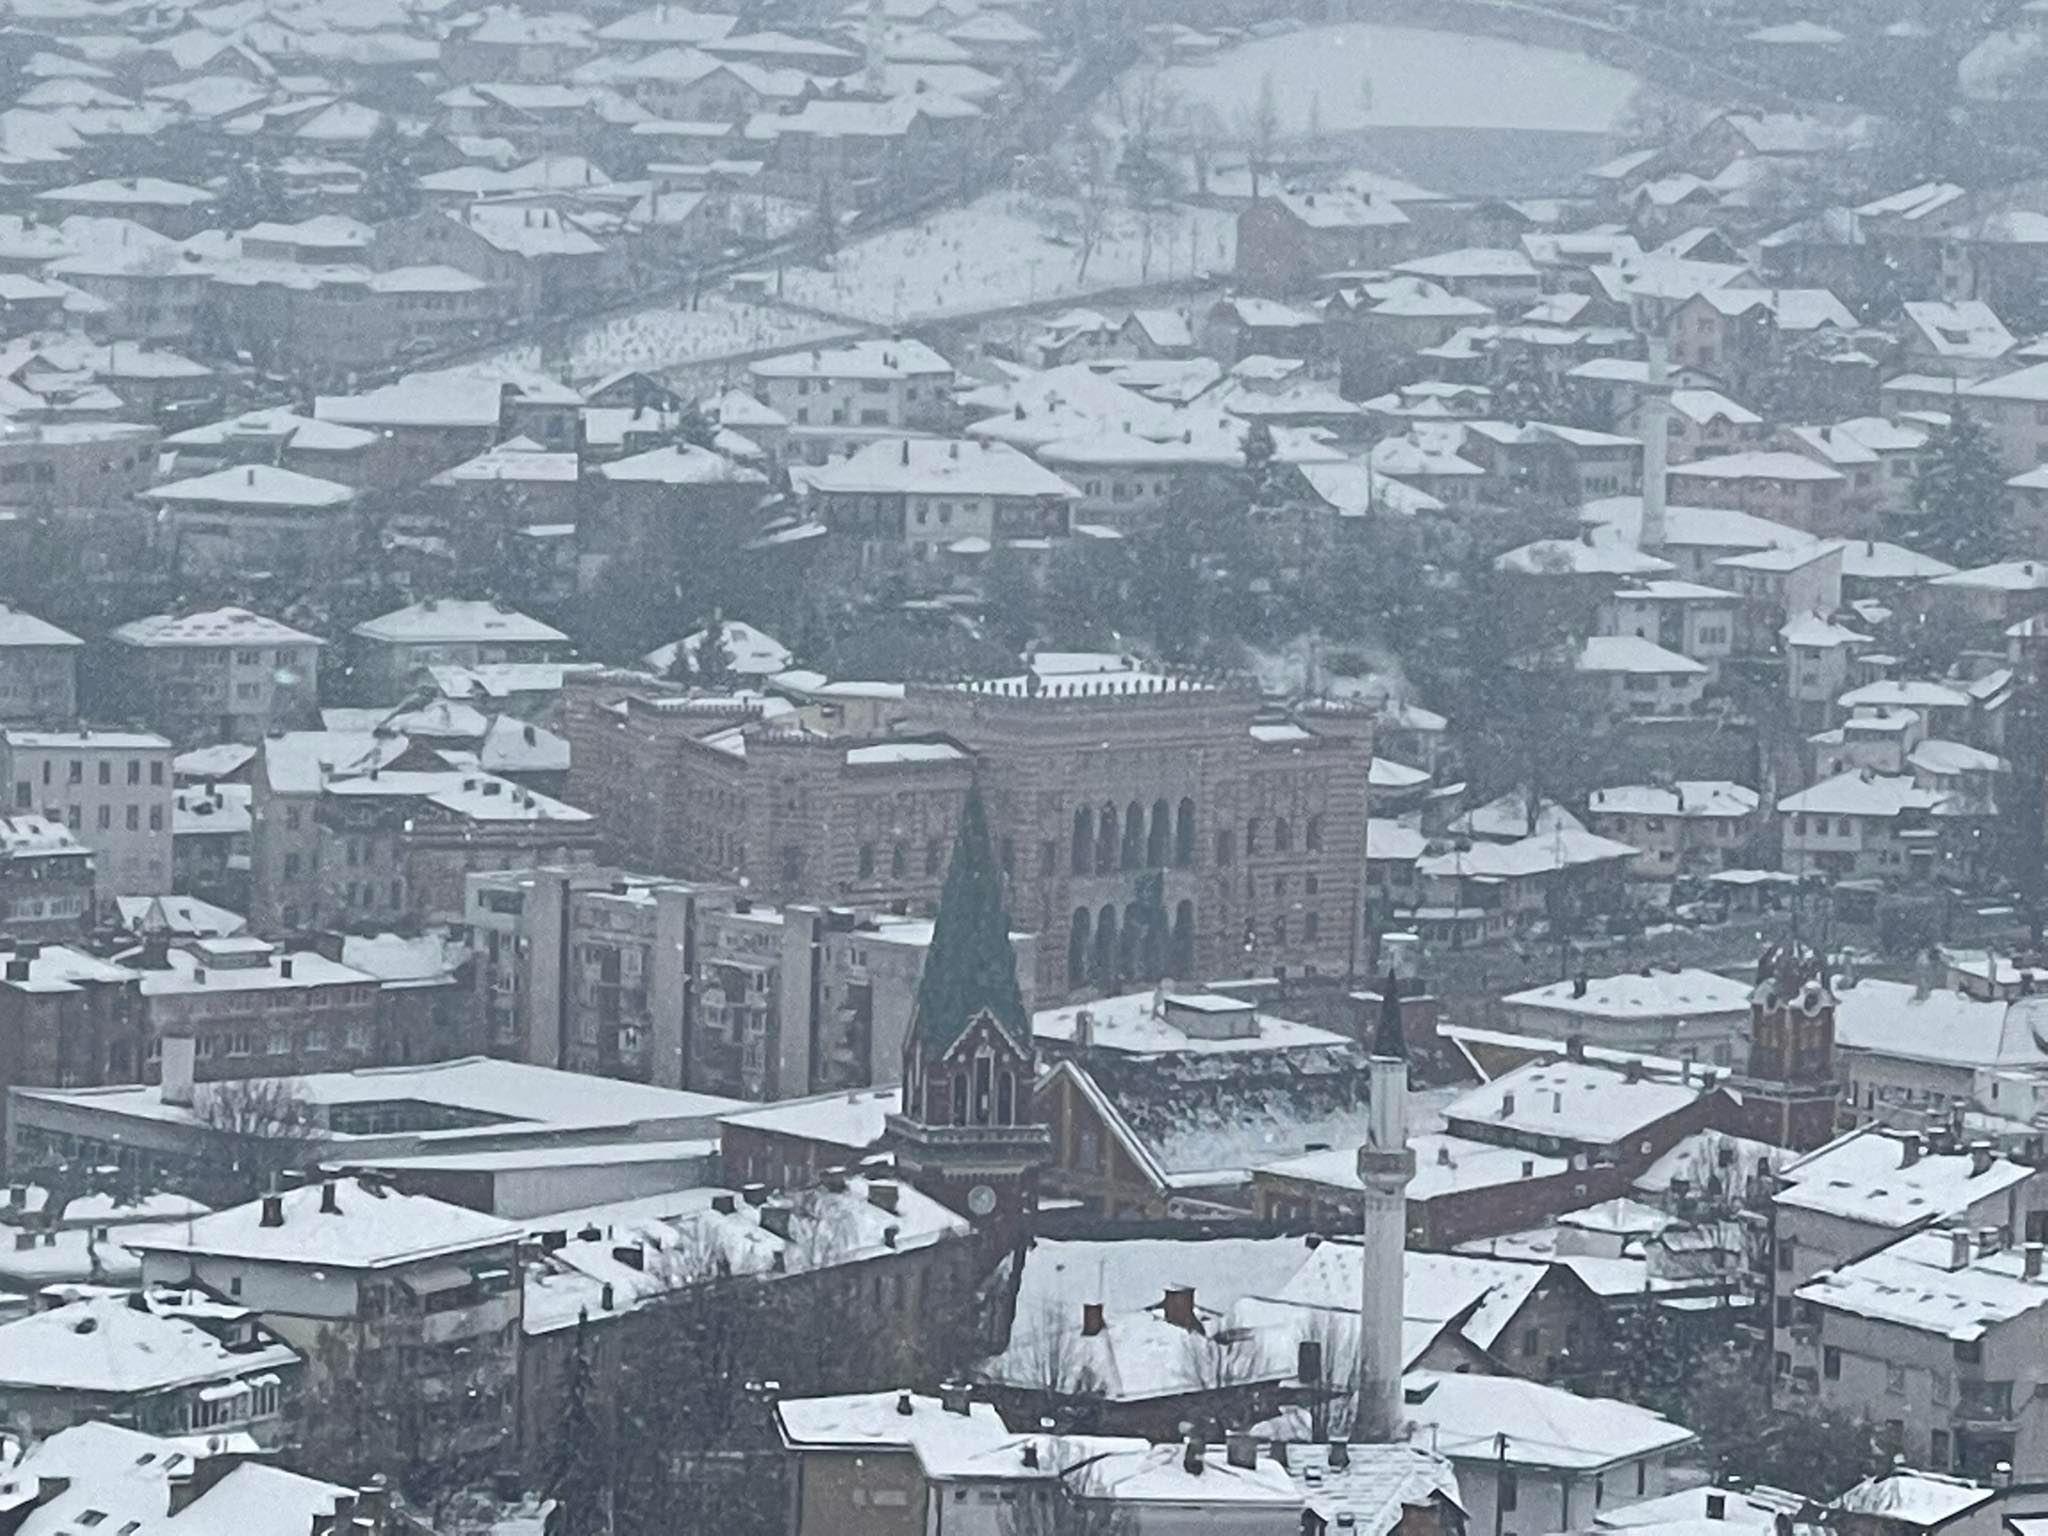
{"points": [[1655, 417], [1385, 1164]]}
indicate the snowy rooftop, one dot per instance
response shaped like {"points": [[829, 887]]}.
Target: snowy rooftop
{"points": [[255, 485], [25, 629], [1860, 792], [1465, 1417], [1444, 1165], [1701, 799], [500, 1095], [1865, 1179], [212, 627], [1658, 995], [150, 1341], [447, 621], [1895, 1018], [1144, 1023], [1579, 1101], [1917, 1284], [853, 1119], [374, 1227]]}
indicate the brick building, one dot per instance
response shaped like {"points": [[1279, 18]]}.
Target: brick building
{"points": [[1148, 825]]}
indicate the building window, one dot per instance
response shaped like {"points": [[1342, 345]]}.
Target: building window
{"points": [[1831, 1363], [106, 771], [1510, 1493], [866, 866], [1225, 850]]}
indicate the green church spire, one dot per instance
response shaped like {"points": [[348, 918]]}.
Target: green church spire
{"points": [[971, 968]]}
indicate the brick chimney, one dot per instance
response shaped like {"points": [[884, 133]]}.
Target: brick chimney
{"points": [[1178, 1307]]}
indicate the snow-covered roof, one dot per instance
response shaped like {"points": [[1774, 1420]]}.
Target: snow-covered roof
{"points": [[443, 621], [1863, 1178], [1963, 328], [872, 359], [1526, 1423], [1925, 1499], [1915, 1284], [933, 466], [211, 627], [1140, 1023], [1636, 656], [25, 629], [1756, 464], [1860, 792], [1578, 1101], [148, 1341], [1893, 1018], [254, 485], [1686, 993], [373, 1228], [1708, 799]]}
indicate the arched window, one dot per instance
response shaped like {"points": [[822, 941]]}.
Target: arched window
{"points": [[1283, 835], [1077, 947], [1084, 840], [1134, 933], [1105, 947], [1159, 837], [1312, 834], [934, 856], [867, 861], [1251, 838], [1133, 853], [1181, 956], [1105, 841], [1184, 835], [959, 1098], [1226, 849], [1006, 1099], [899, 862]]}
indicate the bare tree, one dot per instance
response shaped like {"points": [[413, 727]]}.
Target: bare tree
{"points": [[1049, 1360], [259, 1129], [1076, 1502], [1260, 130]]}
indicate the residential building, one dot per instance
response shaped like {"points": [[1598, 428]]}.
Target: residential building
{"points": [[407, 1310], [878, 384], [933, 498], [1790, 488], [1538, 1455], [169, 1361], [1682, 616], [1628, 678], [1861, 1194], [1689, 827], [444, 632], [186, 1490], [38, 670], [223, 674], [1591, 1108], [1860, 824], [112, 789], [1289, 238], [1931, 1339], [279, 519], [1689, 1015], [46, 878]]}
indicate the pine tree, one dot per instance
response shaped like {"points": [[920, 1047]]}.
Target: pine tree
{"points": [[693, 428], [252, 194], [1260, 474], [714, 659], [579, 1467], [391, 187], [1959, 499], [970, 967]]}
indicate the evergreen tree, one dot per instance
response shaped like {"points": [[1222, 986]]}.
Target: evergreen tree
{"points": [[970, 967], [1959, 499], [253, 194], [693, 428], [391, 185], [1261, 473], [579, 1470], [714, 659]]}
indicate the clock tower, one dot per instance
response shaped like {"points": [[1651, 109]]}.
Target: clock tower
{"points": [[967, 1134]]}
